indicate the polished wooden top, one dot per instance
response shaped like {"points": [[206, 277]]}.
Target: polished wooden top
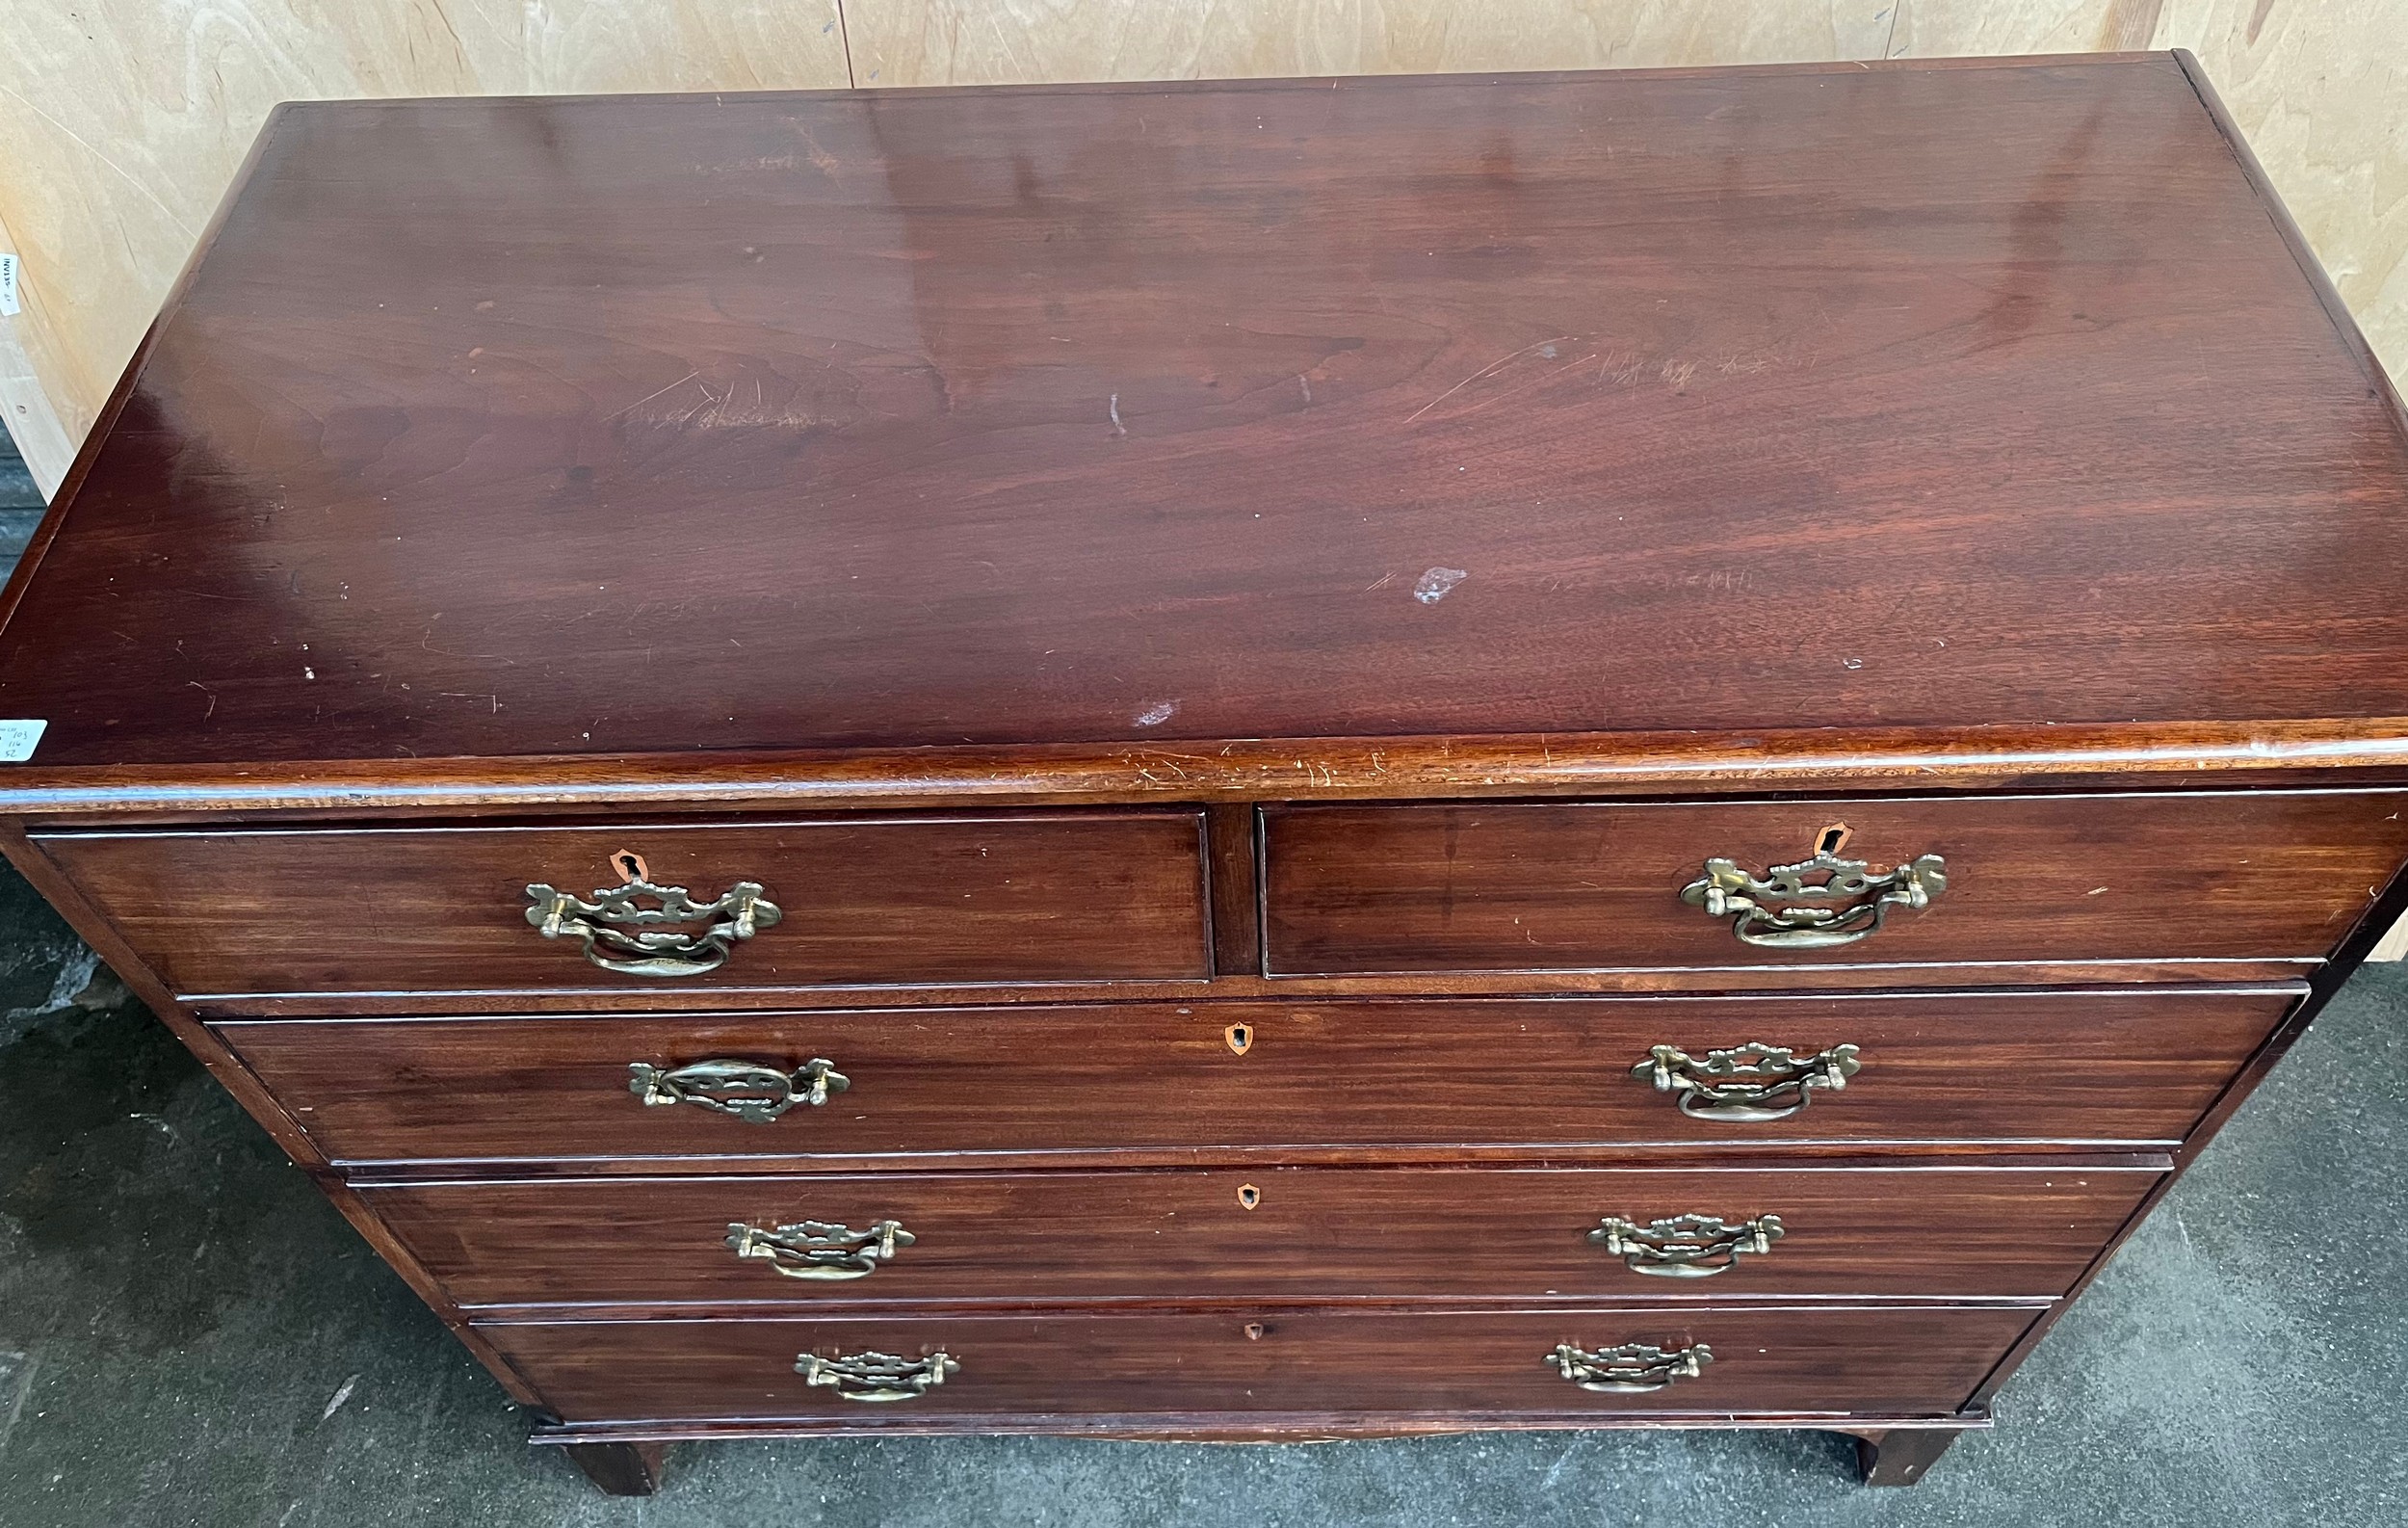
{"points": [[1899, 397]]}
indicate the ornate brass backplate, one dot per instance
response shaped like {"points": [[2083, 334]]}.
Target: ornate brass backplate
{"points": [[1817, 903], [876, 1375], [819, 1249], [1685, 1246], [751, 1091], [1631, 1369], [1747, 1083], [621, 933]]}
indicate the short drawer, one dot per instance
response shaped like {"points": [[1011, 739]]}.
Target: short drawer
{"points": [[2117, 1067], [1492, 1234], [1012, 898], [1545, 886], [1898, 1361]]}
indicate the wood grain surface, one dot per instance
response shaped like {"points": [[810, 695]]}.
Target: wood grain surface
{"points": [[1036, 897], [2136, 755], [127, 118], [1485, 1234], [1514, 886], [2131, 1067], [1766, 1358], [1381, 407], [1139, 504]]}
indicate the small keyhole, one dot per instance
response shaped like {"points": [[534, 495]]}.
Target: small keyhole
{"points": [[1248, 1195], [630, 865], [1832, 839], [1254, 1331], [1240, 1037]]}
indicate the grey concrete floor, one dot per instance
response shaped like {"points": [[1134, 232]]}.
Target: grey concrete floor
{"points": [[189, 1335]]}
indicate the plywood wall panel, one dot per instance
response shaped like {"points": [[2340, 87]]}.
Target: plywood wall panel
{"points": [[120, 120], [1030, 41]]}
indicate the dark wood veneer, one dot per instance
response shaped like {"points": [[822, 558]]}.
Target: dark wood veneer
{"points": [[1522, 886], [1506, 1235], [2153, 755], [2133, 1067], [873, 418], [1340, 554], [1026, 898], [1766, 1357]]}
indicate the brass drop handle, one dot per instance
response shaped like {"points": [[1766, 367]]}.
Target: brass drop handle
{"points": [[1685, 1246], [1750, 1082], [878, 1375], [1634, 1368], [751, 1091], [1818, 901], [819, 1249], [642, 929]]}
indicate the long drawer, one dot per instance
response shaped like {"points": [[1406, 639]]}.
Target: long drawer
{"points": [[1760, 1359], [1030, 897], [2121, 1067], [1499, 1234], [1552, 886]]}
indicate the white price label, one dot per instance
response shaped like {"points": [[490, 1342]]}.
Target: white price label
{"points": [[8, 286], [18, 740]]}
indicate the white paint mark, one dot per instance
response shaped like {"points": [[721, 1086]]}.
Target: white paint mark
{"points": [[340, 1396], [1851, 663], [17, 1382], [1434, 586], [307, 673], [1554, 1471], [1157, 714], [73, 978], [1118, 429]]}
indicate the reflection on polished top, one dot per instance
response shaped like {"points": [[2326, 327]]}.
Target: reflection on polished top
{"points": [[1791, 398]]}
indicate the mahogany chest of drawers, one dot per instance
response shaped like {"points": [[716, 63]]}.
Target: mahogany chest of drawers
{"points": [[1248, 761]]}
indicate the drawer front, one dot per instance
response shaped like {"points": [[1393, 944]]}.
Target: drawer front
{"points": [[2261, 875], [2116, 1066], [1496, 1235], [1900, 1360], [901, 900]]}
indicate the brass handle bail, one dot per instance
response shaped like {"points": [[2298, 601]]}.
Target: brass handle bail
{"points": [[640, 928], [820, 1250], [1817, 902], [1747, 1083], [1685, 1246], [1634, 1368], [877, 1376], [752, 1091]]}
